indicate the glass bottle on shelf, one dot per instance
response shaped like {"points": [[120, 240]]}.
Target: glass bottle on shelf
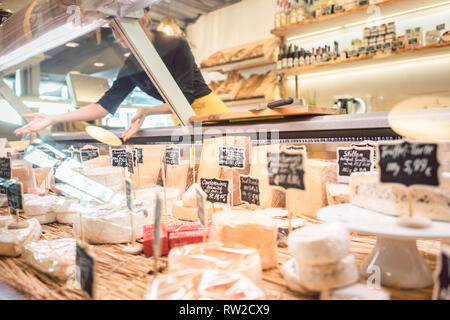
{"points": [[283, 13], [312, 59], [285, 58], [302, 58], [308, 58], [280, 58], [293, 13], [296, 57], [277, 21], [290, 62]]}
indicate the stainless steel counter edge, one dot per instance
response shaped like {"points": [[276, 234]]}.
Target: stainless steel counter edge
{"points": [[358, 122]]}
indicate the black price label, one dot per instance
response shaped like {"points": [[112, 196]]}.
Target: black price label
{"points": [[85, 270], [173, 156], [441, 290], [354, 159], [249, 188], [119, 158], [286, 169], [128, 191], [89, 153], [408, 163], [216, 190], [232, 157], [440, 27], [5, 168], [363, 2], [130, 161], [14, 193], [398, 44], [294, 148], [413, 41], [139, 154], [338, 8], [3, 189]]}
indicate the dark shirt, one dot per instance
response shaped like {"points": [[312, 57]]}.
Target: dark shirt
{"points": [[177, 56]]}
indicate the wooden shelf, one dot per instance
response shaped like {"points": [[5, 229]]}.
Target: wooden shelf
{"points": [[244, 64], [344, 18], [288, 111], [399, 55]]}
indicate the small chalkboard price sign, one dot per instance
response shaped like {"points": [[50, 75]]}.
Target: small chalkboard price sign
{"points": [[119, 158], [14, 193], [128, 192], [139, 155], [286, 169], [3, 189], [294, 148], [353, 159], [408, 163], [173, 156], [89, 153], [368, 144], [5, 168], [130, 161], [232, 157], [249, 189], [441, 289], [85, 269], [216, 190]]}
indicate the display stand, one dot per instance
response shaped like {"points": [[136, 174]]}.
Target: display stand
{"points": [[395, 252]]}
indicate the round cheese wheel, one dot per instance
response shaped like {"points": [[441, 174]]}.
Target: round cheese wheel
{"points": [[328, 276], [319, 244], [289, 271]]}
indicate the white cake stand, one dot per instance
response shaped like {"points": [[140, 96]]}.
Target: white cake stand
{"points": [[395, 253]]}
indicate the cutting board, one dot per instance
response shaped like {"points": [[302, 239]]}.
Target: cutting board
{"points": [[289, 111]]}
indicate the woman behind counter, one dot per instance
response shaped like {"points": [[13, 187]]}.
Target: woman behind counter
{"points": [[179, 60]]}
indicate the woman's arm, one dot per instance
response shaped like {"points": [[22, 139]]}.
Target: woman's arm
{"points": [[41, 121]]}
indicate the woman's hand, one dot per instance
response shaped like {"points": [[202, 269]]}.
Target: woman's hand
{"points": [[40, 121], [136, 124]]}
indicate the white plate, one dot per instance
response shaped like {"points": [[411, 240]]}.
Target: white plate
{"points": [[370, 222]]}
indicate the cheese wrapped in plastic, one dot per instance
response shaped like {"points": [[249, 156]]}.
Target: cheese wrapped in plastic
{"points": [[195, 284], [111, 177], [148, 195], [12, 241], [40, 207], [109, 224], [53, 257], [215, 255], [254, 230]]}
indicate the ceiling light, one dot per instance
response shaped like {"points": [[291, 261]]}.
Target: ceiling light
{"points": [[72, 44], [99, 64]]}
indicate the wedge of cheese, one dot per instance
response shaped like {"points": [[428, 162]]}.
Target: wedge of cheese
{"points": [[176, 176], [307, 202], [110, 225], [196, 284], [53, 257], [189, 198], [215, 255], [270, 197], [41, 208], [337, 193], [149, 171], [250, 229], [148, 195], [209, 163], [102, 161], [12, 241], [367, 192]]}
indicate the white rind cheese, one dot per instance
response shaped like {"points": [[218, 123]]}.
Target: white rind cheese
{"points": [[328, 276], [289, 271], [109, 225], [337, 193], [319, 244], [53, 257], [13, 241], [367, 192]]}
